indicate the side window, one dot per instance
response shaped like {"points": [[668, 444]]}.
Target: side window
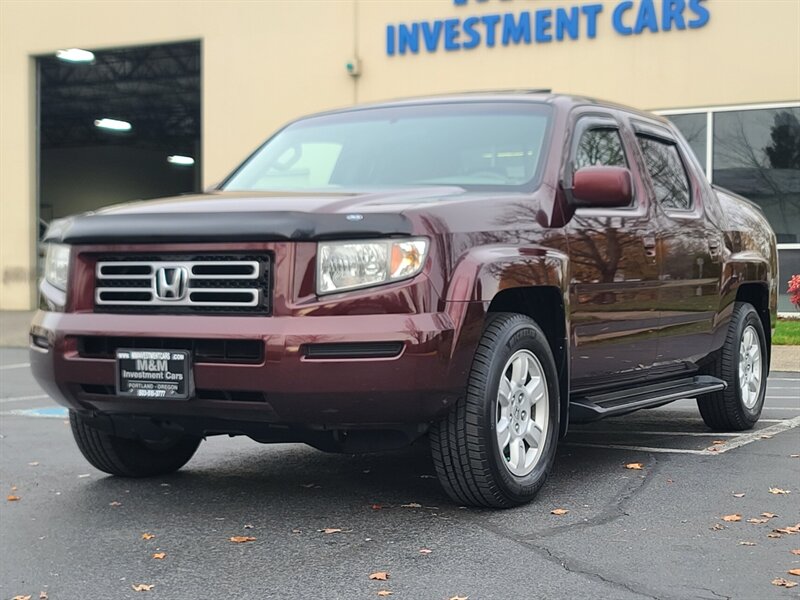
{"points": [[600, 148], [667, 173]]}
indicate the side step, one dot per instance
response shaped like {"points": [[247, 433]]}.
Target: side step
{"points": [[592, 407]]}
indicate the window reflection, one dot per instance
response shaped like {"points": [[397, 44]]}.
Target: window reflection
{"points": [[667, 173], [694, 127], [600, 147], [757, 154]]}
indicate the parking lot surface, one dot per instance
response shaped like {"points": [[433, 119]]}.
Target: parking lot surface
{"points": [[657, 532]]}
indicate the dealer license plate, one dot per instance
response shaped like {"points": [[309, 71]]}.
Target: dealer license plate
{"points": [[145, 373]]}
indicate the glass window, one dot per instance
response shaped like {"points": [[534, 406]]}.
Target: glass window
{"points": [[757, 155], [667, 173], [788, 265], [600, 147], [470, 145], [694, 128]]}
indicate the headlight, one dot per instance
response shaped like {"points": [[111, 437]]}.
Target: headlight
{"points": [[351, 265], [56, 265]]}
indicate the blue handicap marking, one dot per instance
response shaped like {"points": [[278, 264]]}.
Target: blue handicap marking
{"points": [[52, 412]]}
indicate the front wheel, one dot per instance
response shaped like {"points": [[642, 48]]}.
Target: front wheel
{"points": [[128, 457], [497, 445], [742, 364]]}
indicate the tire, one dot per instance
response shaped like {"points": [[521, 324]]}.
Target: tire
{"points": [[128, 457], [734, 409], [466, 448]]}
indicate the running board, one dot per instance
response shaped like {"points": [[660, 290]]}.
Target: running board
{"points": [[591, 407]]}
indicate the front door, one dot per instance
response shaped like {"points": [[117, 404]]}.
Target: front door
{"points": [[614, 270]]}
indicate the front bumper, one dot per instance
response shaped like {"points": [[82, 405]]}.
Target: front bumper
{"points": [[415, 386]]}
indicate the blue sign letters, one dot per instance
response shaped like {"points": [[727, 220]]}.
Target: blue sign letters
{"points": [[544, 25]]}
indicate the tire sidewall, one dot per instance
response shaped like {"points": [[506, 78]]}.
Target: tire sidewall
{"points": [[750, 317], [523, 335]]}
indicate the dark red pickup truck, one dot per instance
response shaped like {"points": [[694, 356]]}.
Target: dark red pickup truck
{"points": [[481, 269]]}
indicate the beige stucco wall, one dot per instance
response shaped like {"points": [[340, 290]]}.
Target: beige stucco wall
{"points": [[267, 62]]}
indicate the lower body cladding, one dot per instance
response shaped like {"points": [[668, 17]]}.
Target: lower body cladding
{"points": [[349, 383]]}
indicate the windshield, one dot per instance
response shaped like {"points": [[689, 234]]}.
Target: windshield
{"points": [[470, 145]]}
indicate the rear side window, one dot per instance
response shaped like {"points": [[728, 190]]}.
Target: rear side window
{"points": [[667, 173], [600, 148]]}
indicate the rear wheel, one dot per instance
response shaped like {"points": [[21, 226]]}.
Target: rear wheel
{"points": [[742, 364], [128, 457], [497, 445]]}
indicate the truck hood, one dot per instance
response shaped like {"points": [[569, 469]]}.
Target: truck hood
{"points": [[255, 216]]}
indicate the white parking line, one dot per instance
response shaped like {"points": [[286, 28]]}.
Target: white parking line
{"points": [[736, 442], [669, 433], [16, 366], [23, 398]]}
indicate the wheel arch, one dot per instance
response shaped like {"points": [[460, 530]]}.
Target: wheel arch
{"points": [[545, 305], [756, 293]]}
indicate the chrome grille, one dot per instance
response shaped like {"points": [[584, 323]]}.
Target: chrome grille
{"points": [[182, 284]]}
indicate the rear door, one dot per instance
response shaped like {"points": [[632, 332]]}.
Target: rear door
{"points": [[614, 267], [691, 249]]}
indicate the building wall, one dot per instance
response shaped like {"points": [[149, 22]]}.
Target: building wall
{"points": [[267, 62]]}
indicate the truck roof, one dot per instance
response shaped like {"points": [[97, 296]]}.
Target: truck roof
{"points": [[540, 96]]}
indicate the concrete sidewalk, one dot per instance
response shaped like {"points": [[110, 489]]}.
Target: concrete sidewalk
{"points": [[14, 334]]}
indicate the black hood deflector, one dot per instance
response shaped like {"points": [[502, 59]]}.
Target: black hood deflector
{"points": [[176, 227]]}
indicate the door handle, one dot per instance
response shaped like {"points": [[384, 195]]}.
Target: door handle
{"points": [[714, 248], [649, 243]]}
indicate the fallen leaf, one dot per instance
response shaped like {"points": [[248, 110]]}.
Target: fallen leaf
{"points": [[740, 495], [769, 515], [329, 530], [115, 503], [379, 576], [242, 539], [35, 463], [384, 593], [148, 536], [13, 488], [142, 587], [559, 511], [160, 555], [459, 598], [772, 534], [713, 448], [296, 531], [757, 521], [718, 442], [796, 551], [716, 527], [732, 518], [42, 595], [21, 598], [795, 572], [425, 551], [781, 582], [377, 506], [747, 543], [411, 505], [774, 490], [766, 437], [634, 466], [12, 498], [788, 530]]}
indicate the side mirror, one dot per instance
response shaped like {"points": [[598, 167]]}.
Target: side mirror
{"points": [[602, 187]]}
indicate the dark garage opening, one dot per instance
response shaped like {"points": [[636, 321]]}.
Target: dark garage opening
{"points": [[84, 165]]}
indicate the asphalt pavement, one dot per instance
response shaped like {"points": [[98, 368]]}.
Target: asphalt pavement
{"points": [[657, 532]]}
